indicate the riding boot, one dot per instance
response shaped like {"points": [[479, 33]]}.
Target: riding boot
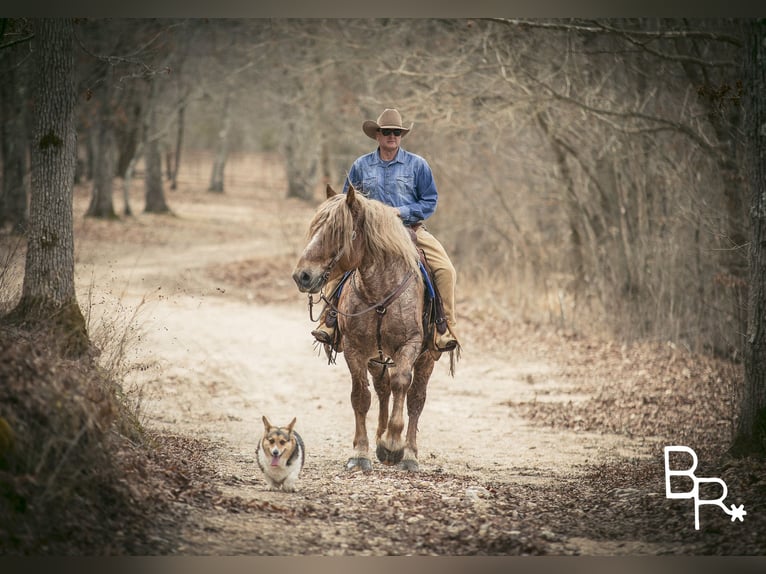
{"points": [[446, 341], [326, 331], [445, 336], [326, 334]]}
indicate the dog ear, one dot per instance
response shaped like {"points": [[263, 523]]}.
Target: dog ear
{"points": [[267, 425], [291, 425]]}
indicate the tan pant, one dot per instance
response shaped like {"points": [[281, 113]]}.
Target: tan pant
{"points": [[442, 271]]}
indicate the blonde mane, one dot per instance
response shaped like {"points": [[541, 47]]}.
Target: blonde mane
{"points": [[384, 235]]}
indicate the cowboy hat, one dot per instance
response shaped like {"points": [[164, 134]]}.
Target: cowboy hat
{"points": [[388, 119]]}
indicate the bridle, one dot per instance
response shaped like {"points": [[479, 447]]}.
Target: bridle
{"points": [[380, 306]]}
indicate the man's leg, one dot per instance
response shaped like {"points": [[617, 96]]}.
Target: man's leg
{"points": [[445, 277]]}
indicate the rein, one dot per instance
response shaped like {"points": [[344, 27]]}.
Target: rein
{"points": [[380, 308]]}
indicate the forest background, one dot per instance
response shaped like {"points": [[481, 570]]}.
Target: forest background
{"points": [[589, 173], [594, 174]]}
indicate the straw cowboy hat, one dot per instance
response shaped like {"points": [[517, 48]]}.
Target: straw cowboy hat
{"points": [[388, 119]]}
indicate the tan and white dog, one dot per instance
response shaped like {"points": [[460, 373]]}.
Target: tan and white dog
{"points": [[281, 455]]}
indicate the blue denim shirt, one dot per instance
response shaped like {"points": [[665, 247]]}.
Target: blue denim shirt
{"points": [[406, 182]]}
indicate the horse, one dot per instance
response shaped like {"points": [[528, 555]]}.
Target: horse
{"points": [[380, 316]]}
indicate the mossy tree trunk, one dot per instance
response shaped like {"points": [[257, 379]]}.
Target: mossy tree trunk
{"points": [[48, 296]]}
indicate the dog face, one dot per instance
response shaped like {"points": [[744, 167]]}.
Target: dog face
{"points": [[278, 442]]}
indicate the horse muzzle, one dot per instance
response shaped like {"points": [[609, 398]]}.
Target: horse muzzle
{"points": [[307, 281]]}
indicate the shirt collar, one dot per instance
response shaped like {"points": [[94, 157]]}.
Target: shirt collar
{"points": [[397, 157]]}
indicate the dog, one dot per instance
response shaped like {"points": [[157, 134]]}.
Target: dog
{"points": [[281, 455]]}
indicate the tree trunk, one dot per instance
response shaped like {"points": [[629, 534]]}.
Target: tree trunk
{"points": [[179, 146], [127, 180], [579, 220], [155, 194], [216, 177], [101, 199], [48, 291], [302, 156], [751, 431], [13, 195], [128, 136]]}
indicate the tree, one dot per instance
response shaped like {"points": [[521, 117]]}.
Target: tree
{"points": [[101, 203], [155, 193], [48, 296], [13, 131], [751, 429], [121, 61], [222, 154]]}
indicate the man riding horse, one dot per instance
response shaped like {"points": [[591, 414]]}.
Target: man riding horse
{"points": [[404, 181]]}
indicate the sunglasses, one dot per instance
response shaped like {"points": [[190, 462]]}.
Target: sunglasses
{"points": [[388, 132]]}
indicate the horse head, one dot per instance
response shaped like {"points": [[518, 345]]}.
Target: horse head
{"points": [[335, 242]]}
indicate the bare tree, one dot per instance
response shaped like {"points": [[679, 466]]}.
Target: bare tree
{"points": [[101, 201], [222, 152], [751, 429], [48, 291], [155, 192], [176, 163]]}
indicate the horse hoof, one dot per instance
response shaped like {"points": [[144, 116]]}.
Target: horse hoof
{"points": [[359, 463], [409, 465], [389, 457]]}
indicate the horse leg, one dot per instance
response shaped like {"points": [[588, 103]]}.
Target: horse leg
{"points": [[383, 389], [360, 402], [390, 446], [416, 398]]}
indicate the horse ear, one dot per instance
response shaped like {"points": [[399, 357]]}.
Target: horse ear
{"points": [[350, 195], [330, 191]]}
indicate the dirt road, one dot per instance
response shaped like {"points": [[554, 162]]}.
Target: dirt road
{"points": [[220, 337]]}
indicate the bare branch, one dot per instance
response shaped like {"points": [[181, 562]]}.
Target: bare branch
{"points": [[661, 124], [629, 36], [597, 27], [15, 42]]}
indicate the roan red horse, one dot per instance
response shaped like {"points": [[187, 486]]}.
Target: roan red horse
{"points": [[380, 316]]}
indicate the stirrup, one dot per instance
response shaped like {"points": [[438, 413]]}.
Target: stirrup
{"points": [[445, 342], [448, 346]]}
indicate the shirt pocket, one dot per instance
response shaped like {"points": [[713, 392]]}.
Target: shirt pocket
{"points": [[405, 185]]}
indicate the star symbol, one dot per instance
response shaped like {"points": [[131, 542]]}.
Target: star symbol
{"points": [[738, 512]]}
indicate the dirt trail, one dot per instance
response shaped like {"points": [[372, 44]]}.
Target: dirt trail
{"points": [[213, 356]]}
